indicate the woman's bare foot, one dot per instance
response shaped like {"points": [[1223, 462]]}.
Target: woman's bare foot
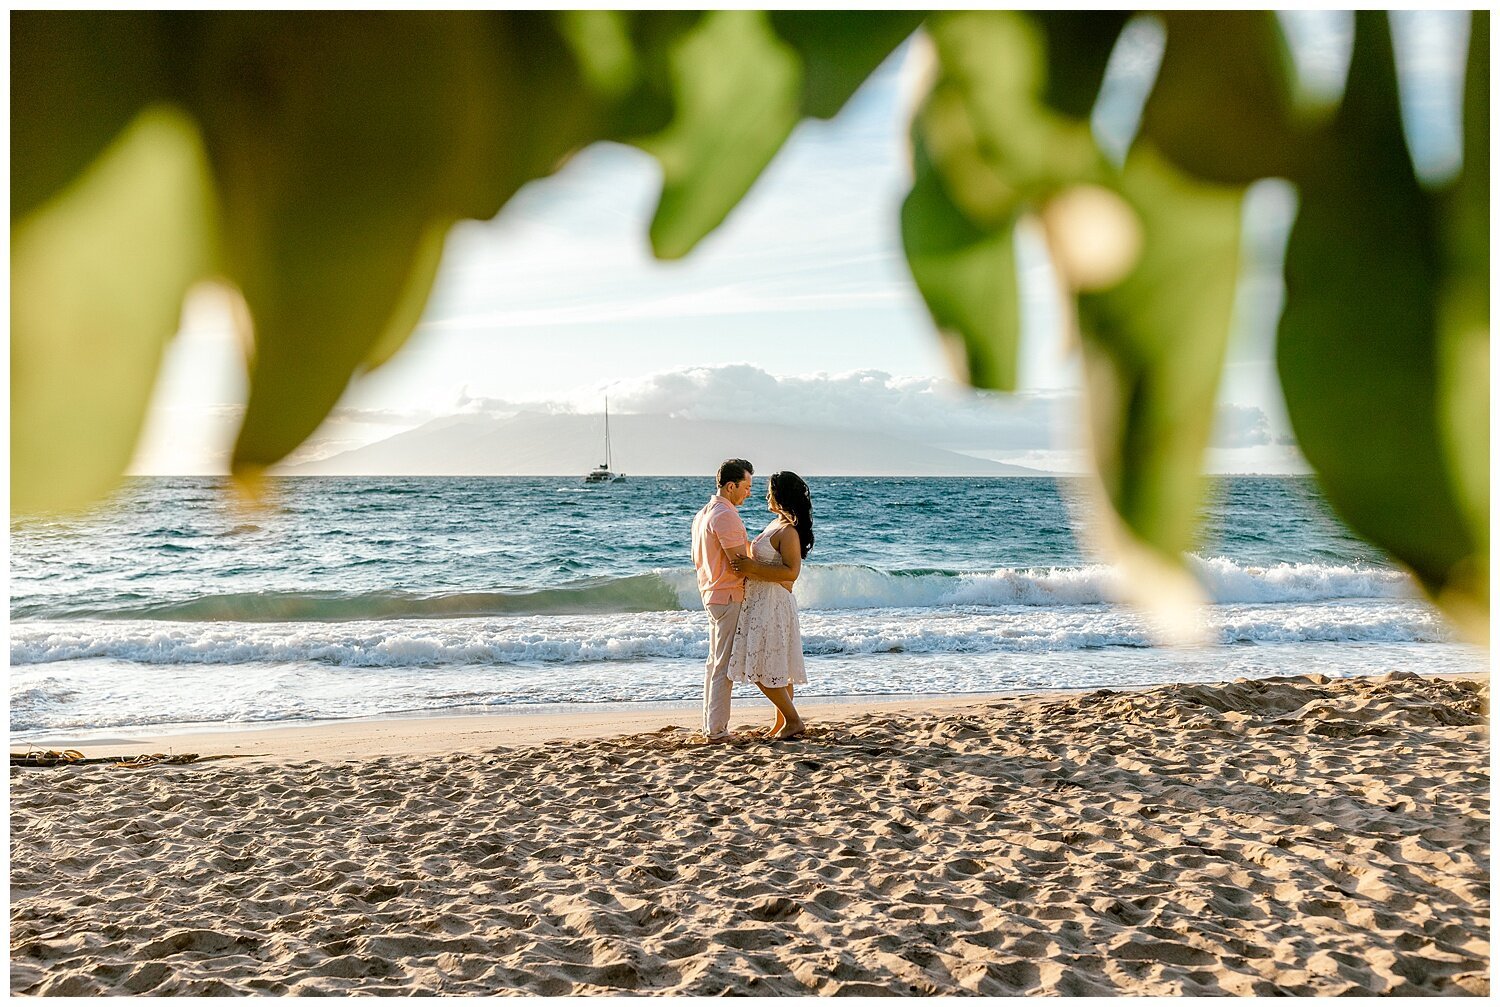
{"points": [[791, 729], [776, 727]]}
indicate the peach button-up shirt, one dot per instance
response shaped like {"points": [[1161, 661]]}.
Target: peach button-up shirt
{"points": [[716, 529]]}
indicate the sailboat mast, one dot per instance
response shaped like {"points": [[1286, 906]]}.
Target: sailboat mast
{"points": [[608, 462]]}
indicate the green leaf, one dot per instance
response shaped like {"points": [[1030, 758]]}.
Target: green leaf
{"points": [[967, 275], [339, 143], [91, 315], [1222, 106], [1078, 46], [985, 150], [1464, 337], [78, 77], [1358, 344], [519, 100], [413, 300], [1153, 352], [736, 88], [649, 106], [839, 49], [600, 40], [625, 64], [996, 146], [1153, 253]]}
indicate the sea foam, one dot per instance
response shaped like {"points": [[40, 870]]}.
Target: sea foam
{"points": [[586, 639]]}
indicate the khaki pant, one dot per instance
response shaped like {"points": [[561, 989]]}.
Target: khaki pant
{"points": [[723, 620]]}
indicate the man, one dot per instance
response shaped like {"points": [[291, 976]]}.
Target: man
{"points": [[718, 537]]}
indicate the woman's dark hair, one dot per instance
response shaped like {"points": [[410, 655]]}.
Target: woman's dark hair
{"points": [[733, 470], [788, 496]]}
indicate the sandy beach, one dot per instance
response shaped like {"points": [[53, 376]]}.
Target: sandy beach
{"points": [[1303, 836]]}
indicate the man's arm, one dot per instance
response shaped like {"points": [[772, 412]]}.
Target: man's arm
{"points": [[754, 569]]}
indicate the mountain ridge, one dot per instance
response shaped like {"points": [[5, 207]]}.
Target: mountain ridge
{"points": [[547, 444]]}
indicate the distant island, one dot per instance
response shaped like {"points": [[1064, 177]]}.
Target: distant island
{"points": [[564, 444]]}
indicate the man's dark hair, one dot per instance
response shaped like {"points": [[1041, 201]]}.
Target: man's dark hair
{"points": [[733, 470]]}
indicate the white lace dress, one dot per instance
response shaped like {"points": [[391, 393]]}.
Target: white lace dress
{"points": [[767, 646]]}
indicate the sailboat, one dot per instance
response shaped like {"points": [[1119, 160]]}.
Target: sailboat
{"points": [[602, 474]]}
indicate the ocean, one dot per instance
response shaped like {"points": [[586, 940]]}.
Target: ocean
{"points": [[171, 607]]}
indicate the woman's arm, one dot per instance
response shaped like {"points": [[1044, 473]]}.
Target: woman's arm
{"points": [[790, 548]]}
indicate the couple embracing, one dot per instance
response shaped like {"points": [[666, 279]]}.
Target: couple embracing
{"points": [[746, 586]]}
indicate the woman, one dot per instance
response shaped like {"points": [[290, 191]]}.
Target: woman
{"points": [[767, 648]]}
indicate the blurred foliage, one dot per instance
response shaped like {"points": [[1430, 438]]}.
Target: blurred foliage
{"points": [[91, 315], [315, 161], [1359, 345]]}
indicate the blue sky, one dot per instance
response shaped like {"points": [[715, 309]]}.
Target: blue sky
{"points": [[558, 300]]}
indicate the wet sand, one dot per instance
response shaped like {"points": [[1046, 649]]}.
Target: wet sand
{"points": [[508, 727]]}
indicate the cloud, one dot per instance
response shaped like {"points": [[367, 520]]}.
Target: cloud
{"points": [[479, 405], [928, 410], [1037, 428], [1240, 427]]}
